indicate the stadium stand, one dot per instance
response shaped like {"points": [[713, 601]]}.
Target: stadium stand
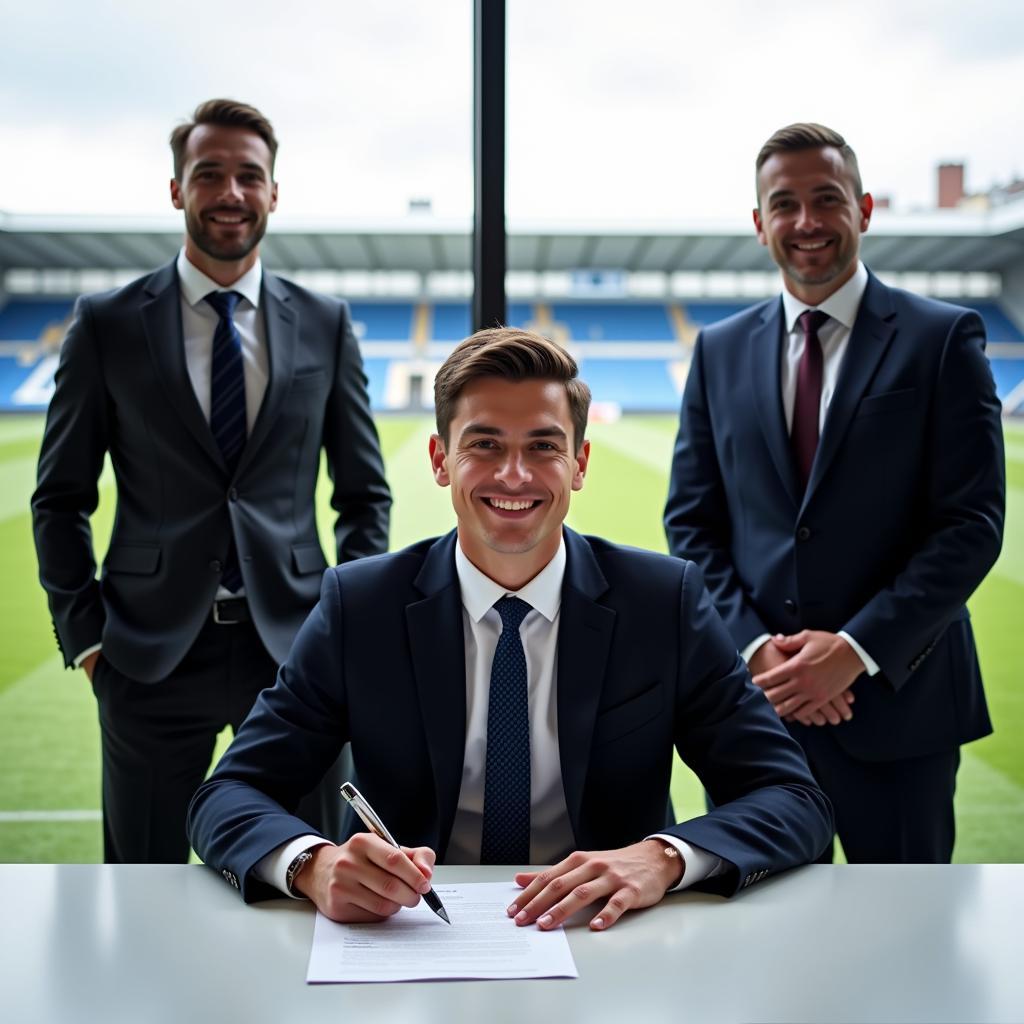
{"points": [[28, 320], [633, 355], [614, 321]]}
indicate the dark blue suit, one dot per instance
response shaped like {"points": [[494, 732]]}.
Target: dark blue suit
{"points": [[901, 520], [644, 665]]}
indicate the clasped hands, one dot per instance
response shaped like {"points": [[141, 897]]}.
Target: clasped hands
{"points": [[807, 676], [366, 879]]}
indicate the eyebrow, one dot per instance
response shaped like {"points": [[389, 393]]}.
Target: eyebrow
{"points": [[483, 428], [248, 165], [781, 193]]}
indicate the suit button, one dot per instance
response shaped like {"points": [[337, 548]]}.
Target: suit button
{"points": [[790, 606], [215, 566], [233, 494], [803, 533]]}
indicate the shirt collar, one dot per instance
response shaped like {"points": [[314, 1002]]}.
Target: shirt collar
{"points": [[195, 285], [479, 592], [841, 305]]}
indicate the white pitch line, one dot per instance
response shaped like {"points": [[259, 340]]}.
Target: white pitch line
{"points": [[6, 816]]}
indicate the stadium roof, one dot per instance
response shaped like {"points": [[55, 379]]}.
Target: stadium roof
{"points": [[932, 241]]}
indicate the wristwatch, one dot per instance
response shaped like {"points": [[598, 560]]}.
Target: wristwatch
{"points": [[296, 866]]}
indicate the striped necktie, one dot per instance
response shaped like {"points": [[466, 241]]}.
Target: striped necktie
{"points": [[506, 827], [227, 403]]}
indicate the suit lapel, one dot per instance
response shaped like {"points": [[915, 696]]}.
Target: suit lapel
{"points": [[584, 640], [438, 656], [281, 322], [872, 332], [766, 366], [161, 320]]}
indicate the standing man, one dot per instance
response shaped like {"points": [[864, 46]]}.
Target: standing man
{"points": [[213, 386], [513, 693], [839, 476]]}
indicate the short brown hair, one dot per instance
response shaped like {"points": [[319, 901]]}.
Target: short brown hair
{"points": [[514, 355], [808, 135], [227, 114]]}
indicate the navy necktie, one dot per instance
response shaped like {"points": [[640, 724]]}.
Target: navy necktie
{"points": [[506, 830], [227, 403], [807, 403]]}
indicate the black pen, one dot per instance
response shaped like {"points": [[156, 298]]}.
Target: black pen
{"points": [[377, 827]]}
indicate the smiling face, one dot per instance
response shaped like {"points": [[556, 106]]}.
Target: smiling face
{"points": [[511, 465], [811, 220], [227, 193]]}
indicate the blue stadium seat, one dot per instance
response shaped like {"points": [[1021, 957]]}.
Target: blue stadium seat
{"points": [[383, 321], [998, 326], [26, 319], [704, 313], [634, 384], [614, 321]]}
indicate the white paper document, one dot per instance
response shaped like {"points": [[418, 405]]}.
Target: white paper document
{"points": [[415, 945]]}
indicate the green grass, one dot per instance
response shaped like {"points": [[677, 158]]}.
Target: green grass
{"points": [[49, 740]]}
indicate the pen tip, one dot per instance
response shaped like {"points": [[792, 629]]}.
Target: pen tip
{"points": [[443, 914]]}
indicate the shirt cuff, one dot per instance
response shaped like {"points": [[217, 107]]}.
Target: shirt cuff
{"points": [[698, 863], [870, 665], [754, 646], [273, 868], [77, 661]]}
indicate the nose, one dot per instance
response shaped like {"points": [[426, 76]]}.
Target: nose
{"points": [[513, 471], [807, 218], [232, 191]]}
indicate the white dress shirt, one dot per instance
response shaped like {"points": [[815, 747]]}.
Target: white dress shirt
{"points": [[198, 324], [834, 335], [551, 836]]}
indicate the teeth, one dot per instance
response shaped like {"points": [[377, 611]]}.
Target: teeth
{"points": [[510, 506], [227, 220], [809, 246]]}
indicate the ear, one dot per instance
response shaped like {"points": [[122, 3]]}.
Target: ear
{"points": [[758, 227], [439, 461], [176, 200], [273, 196], [582, 460], [867, 205]]}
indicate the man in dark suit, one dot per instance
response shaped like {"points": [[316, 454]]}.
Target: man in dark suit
{"points": [[513, 692], [213, 386], [842, 568]]}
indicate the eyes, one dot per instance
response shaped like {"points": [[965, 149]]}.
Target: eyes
{"points": [[491, 445], [825, 201]]}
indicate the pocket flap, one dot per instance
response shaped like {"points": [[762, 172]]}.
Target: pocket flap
{"points": [[627, 717], [140, 559], [308, 558], [888, 401]]}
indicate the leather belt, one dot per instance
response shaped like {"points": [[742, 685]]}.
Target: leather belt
{"points": [[230, 611]]}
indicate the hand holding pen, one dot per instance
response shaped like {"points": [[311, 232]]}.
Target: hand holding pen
{"points": [[366, 878], [372, 821]]}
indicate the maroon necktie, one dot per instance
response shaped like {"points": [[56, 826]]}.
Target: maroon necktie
{"points": [[807, 406]]}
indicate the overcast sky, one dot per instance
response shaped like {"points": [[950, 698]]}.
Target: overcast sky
{"points": [[635, 110]]}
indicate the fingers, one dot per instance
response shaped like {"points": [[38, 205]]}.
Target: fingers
{"points": [[789, 644], [556, 894], [423, 857], [366, 879]]}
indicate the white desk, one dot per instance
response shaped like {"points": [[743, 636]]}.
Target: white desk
{"points": [[843, 944]]}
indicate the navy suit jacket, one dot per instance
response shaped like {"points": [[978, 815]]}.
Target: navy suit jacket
{"points": [[644, 665], [122, 387], [901, 520]]}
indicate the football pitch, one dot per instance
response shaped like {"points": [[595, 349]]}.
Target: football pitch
{"points": [[49, 738]]}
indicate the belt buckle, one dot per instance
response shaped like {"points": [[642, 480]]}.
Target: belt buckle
{"points": [[217, 615]]}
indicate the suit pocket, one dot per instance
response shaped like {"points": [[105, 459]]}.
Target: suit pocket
{"points": [[629, 716], [134, 559], [304, 381], [308, 558], [888, 401]]}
